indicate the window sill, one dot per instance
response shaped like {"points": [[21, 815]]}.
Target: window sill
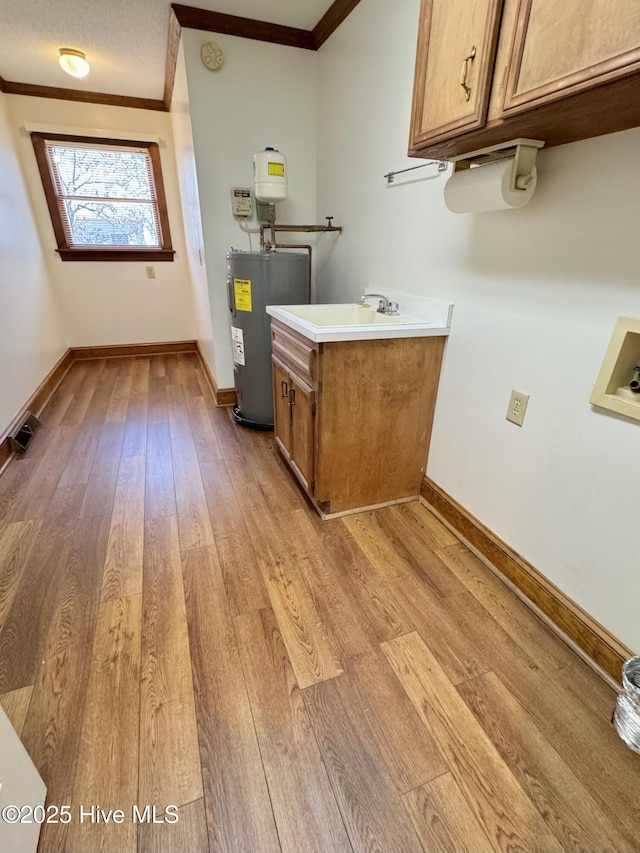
{"points": [[124, 254]]}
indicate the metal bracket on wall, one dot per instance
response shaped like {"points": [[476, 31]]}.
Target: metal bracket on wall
{"points": [[441, 164]]}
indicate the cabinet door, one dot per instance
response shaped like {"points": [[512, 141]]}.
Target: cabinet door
{"points": [[562, 46], [281, 409], [303, 406], [454, 65]]}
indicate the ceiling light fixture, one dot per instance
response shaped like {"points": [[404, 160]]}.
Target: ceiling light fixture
{"points": [[74, 62]]}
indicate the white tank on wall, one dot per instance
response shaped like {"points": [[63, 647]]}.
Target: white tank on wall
{"points": [[270, 173]]}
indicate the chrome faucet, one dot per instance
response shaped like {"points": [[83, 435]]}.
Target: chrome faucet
{"points": [[384, 306]]}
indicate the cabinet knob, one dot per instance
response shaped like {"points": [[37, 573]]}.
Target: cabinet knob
{"points": [[466, 62]]}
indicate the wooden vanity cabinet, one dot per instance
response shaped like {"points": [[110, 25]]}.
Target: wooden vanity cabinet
{"points": [[281, 404], [353, 418], [543, 69], [294, 360], [294, 415]]}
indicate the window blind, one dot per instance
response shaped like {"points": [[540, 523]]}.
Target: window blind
{"points": [[105, 194]]}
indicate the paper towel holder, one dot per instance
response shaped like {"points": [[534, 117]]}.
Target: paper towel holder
{"points": [[522, 151]]}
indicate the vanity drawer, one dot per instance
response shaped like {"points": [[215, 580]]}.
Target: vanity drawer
{"points": [[298, 353]]}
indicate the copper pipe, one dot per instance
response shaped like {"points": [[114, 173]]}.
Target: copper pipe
{"points": [[271, 224], [298, 246], [306, 229], [262, 229]]}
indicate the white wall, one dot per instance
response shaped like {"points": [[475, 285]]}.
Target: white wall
{"points": [[190, 198], [31, 334], [537, 292], [265, 94], [111, 302], [21, 783]]}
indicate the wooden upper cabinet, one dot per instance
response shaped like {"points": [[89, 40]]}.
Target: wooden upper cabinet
{"points": [[560, 47], [454, 65], [554, 70]]}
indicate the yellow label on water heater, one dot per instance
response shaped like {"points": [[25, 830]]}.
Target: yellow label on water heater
{"points": [[242, 292], [276, 169]]}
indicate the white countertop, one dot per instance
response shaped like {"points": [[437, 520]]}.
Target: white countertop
{"points": [[351, 322]]}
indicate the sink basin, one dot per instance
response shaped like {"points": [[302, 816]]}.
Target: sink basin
{"points": [[346, 315], [353, 322]]}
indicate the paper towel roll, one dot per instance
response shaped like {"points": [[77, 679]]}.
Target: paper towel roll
{"points": [[485, 188]]}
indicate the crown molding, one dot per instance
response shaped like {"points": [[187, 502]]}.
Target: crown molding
{"points": [[198, 19], [173, 45], [331, 20], [12, 88], [233, 25]]}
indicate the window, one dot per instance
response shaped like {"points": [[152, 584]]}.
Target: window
{"points": [[105, 197]]}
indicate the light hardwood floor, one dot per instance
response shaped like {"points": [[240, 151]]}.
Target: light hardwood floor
{"points": [[177, 627]]}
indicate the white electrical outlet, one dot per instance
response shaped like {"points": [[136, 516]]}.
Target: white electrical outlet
{"points": [[151, 272], [517, 407]]}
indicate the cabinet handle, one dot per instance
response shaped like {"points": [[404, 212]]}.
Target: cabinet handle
{"points": [[466, 62], [292, 397], [284, 389]]}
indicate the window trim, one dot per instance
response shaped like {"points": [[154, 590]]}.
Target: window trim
{"points": [[103, 253]]}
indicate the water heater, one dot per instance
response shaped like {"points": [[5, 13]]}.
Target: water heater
{"points": [[255, 280], [270, 173]]}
